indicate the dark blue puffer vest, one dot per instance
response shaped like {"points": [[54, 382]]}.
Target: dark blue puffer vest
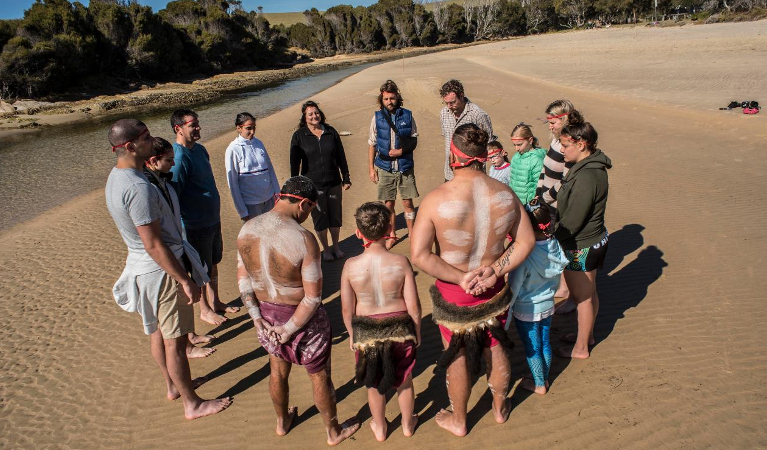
{"points": [[403, 119]]}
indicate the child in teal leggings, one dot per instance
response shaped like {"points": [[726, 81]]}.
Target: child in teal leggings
{"points": [[534, 283]]}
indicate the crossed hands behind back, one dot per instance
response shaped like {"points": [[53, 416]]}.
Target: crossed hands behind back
{"points": [[270, 332], [477, 281]]}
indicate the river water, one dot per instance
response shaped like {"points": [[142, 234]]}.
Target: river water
{"points": [[46, 168]]}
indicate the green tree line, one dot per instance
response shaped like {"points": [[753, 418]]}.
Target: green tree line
{"points": [[60, 47]]}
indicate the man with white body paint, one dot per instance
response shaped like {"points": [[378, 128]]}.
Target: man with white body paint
{"points": [[382, 314], [469, 218], [280, 281]]}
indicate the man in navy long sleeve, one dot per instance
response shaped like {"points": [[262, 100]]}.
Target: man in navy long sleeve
{"points": [[200, 207]]}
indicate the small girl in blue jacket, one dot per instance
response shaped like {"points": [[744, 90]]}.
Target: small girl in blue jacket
{"points": [[534, 283]]}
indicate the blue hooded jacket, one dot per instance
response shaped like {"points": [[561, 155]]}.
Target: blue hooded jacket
{"points": [[536, 280]]}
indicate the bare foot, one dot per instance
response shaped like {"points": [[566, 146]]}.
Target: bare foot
{"points": [[501, 415], [529, 385], [224, 309], [446, 420], [566, 307], [207, 408], [212, 318], [346, 429], [283, 427], [570, 352], [379, 431], [196, 382], [572, 337], [391, 242], [200, 339], [408, 429], [199, 352], [338, 254]]}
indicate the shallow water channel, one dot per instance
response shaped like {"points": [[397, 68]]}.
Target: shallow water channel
{"points": [[46, 168]]}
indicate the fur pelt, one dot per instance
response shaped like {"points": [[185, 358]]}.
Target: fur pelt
{"points": [[374, 338], [369, 330], [468, 325]]}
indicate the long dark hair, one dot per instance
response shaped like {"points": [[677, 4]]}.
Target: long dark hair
{"points": [[540, 217], [471, 140], [390, 87], [310, 104], [242, 118], [583, 132]]}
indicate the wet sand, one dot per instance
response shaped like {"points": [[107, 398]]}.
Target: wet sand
{"points": [[679, 361]]}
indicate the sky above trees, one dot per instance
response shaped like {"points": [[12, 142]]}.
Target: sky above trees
{"points": [[14, 9]]}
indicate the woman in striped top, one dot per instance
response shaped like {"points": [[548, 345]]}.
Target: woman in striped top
{"points": [[558, 114]]}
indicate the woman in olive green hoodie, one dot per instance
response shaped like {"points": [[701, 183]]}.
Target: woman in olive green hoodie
{"points": [[580, 228]]}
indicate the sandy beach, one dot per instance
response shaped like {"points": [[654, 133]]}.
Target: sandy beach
{"points": [[679, 361]]}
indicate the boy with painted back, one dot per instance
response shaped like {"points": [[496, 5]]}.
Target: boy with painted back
{"points": [[382, 314]]}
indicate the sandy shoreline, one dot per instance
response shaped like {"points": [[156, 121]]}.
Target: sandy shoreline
{"points": [[178, 94], [679, 361]]}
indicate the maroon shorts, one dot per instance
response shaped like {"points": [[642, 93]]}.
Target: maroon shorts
{"points": [[403, 353], [309, 346], [453, 293]]}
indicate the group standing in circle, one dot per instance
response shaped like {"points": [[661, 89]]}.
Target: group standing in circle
{"points": [[497, 243]]}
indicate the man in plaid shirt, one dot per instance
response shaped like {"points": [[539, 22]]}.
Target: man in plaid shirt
{"points": [[459, 110]]}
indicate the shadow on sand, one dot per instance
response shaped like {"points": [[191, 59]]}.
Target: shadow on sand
{"points": [[618, 292]]}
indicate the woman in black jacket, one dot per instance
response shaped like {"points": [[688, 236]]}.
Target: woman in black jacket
{"points": [[316, 151]]}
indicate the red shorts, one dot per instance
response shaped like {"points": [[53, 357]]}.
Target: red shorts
{"points": [[403, 353], [453, 293]]}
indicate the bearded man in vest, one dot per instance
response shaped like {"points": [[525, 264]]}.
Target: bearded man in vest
{"points": [[392, 139]]}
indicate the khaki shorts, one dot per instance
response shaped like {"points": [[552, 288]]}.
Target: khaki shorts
{"points": [[389, 182], [175, 316]]}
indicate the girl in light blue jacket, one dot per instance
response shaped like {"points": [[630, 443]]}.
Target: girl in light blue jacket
{"points": [[534, 283]]}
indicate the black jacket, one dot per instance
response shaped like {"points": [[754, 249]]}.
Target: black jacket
{"points": [[322, 160]]}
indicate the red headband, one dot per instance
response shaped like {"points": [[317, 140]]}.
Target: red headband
{"points": [[570, 138], [557, 116], [494, 152], [279, 195], [115, 147], [469, 159], [185, 123], [367, 242]]}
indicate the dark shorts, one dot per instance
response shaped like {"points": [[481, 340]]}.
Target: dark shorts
{"points": [[328, 214], [589, 258], [309, 346], [208, 243]]}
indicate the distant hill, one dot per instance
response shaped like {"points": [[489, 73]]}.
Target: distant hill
{"points": [[290, 18], [286, 19]]}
